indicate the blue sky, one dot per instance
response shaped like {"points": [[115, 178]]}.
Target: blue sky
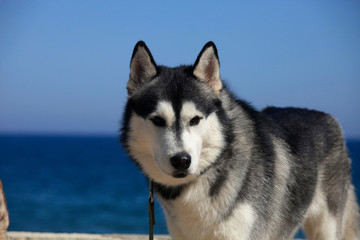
{"points": [[64, 64]]}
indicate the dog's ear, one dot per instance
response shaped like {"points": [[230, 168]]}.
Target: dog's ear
{"points": [[207, 67], [142, 67]]}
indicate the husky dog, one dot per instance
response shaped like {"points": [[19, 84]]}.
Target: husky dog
{"points": [[223, 170]]}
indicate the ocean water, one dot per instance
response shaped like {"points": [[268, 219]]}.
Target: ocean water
{"points": [[82, 184]]}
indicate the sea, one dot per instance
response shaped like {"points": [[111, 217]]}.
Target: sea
{"points": [[83, 184]]}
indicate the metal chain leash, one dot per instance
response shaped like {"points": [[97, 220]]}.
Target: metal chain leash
{"points": [[151, 211]]}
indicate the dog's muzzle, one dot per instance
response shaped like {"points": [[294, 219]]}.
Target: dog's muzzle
{"points": [[181, 162]]}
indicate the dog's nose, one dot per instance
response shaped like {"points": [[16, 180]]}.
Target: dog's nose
{"points": [[181, 161]]}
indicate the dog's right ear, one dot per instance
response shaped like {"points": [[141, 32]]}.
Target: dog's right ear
{"points": [[142, 67]]}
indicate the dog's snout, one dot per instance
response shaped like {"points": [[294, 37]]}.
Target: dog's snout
{"points": [[181, 161]]}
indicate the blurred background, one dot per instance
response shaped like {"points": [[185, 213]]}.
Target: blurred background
{"points": [[63, 72]]}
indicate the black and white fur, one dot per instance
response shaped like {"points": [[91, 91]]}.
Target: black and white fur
{"points": [[223, 170]]}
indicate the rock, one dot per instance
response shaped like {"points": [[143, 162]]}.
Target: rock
{"points": [[4, 215]]}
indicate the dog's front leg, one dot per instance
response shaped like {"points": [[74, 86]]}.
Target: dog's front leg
{"points": [[174, 231]]}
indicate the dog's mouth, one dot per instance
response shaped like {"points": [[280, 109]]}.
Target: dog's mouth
{"points": [[180, 174]]}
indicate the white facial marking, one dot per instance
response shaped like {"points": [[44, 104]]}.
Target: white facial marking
{"points": [[164, 110], [164, 143], [213, 141], [203, 141], [192, 135]]}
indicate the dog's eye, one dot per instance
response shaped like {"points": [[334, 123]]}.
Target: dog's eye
{"points": [[158, 121], [195, 121]]}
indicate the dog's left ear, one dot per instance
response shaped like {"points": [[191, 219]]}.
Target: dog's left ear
{"points": [[207, 67]]}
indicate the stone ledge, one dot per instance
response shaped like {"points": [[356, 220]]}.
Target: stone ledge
{"points": [[79, 236]]}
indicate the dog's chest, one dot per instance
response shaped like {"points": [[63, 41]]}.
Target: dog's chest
{"points": [[196, 215]]}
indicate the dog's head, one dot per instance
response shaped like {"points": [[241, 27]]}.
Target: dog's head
{"points": [[172, 126]]}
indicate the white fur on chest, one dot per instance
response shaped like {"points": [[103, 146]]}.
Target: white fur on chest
{"points": [[195, 215]]}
